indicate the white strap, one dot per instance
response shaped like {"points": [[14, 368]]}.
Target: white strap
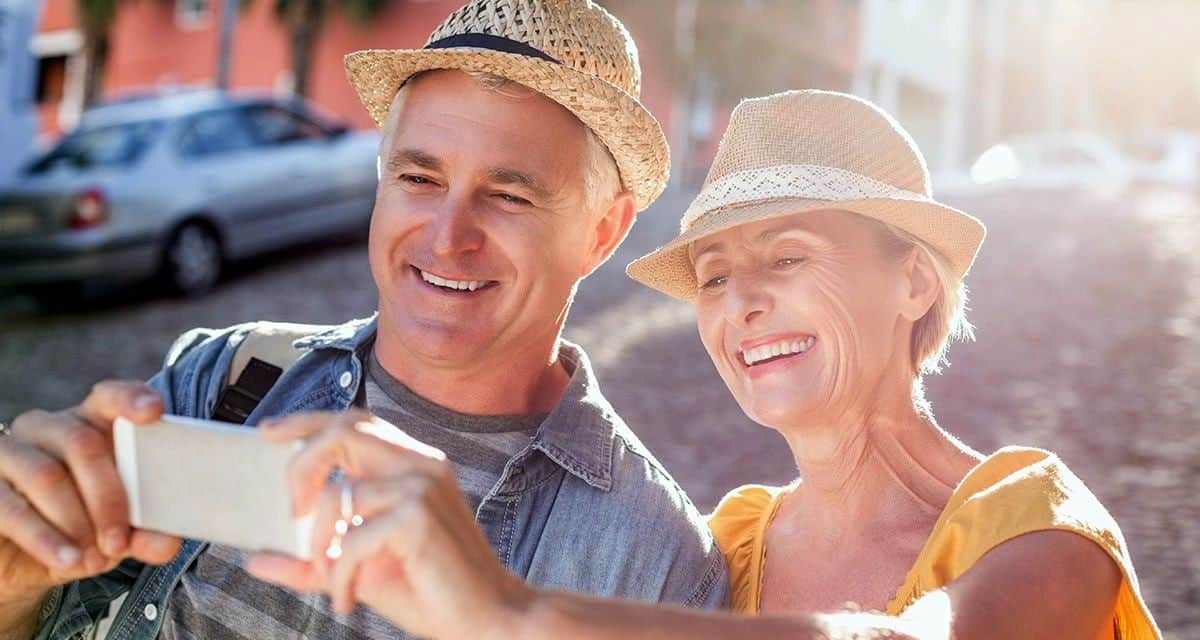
{"points": [[809, 181]]}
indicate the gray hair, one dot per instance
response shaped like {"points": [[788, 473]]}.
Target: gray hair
{"points": [[602, 179]]}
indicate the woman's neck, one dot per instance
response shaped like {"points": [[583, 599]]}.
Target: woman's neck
{"points": [[889, 465]]}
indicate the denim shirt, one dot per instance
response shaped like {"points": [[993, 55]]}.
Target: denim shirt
{"points": [[585, 507]]}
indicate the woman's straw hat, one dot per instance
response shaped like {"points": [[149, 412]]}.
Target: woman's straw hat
{"points": [[804, 151], [571, 51]]}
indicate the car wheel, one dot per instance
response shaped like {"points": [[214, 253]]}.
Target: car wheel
{"points": [[192, 261]]}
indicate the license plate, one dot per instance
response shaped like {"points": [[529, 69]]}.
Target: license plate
{"points": [[16, 222]]}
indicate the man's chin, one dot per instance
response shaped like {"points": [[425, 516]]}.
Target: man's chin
{"points": [[443, 341]]}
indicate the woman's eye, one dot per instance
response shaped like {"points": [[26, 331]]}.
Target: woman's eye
{"points": [[713, 283], [787, 262]]}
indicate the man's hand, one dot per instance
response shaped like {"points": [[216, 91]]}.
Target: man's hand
{"points": [[416, 556], [63, 510]]}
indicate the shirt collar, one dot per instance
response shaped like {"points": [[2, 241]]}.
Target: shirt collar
{"points": [[349, 336], [577, 435]]}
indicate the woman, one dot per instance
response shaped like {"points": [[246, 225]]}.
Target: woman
{"points": [[826, 282]]}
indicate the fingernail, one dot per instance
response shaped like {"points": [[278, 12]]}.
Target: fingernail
{"points": [[144, 401], [113, 542], [68, 556]]}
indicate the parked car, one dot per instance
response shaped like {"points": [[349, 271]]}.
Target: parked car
{"points": [[178, 185], [1164, 159], [1061, 162]]}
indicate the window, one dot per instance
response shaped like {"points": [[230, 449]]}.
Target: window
{"points": [[214, 132], [191, 14], [111, 146], [51, 79], [272, 125]]}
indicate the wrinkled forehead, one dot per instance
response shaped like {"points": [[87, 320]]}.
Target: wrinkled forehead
{"points": [[532, 110]]}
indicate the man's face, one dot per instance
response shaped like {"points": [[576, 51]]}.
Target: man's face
{"points": [[480, 232]]}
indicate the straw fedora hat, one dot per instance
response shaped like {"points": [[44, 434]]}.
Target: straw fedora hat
{"points": [[804, 151], [572, 51]]}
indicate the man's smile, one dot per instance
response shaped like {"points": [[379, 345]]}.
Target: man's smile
{"points": [[453, 285]]}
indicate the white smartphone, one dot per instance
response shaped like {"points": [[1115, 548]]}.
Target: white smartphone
{"points": [[211, 481]]}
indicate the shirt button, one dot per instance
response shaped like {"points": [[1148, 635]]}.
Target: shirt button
{"points": [[151, 612], [345, 379]]}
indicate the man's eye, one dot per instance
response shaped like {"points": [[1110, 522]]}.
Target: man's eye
{"points": [[714, 282], [511, 199], [408, 177], [787, 262]]}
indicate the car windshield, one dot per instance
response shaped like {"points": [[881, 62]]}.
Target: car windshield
{"points": [[109, 146]]}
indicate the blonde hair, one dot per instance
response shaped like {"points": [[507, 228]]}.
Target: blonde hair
{"points": [[946, 320], [602, 179]]}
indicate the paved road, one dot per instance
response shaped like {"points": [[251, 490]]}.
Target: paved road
{"points": [[1088, 317]]}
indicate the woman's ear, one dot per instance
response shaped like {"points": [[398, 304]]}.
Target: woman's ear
{"points": [[922, 283]]}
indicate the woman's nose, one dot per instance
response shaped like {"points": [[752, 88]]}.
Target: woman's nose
{"points": [[746, 300]]}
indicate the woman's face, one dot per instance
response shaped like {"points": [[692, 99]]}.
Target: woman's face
{"points": [[803, 315]]}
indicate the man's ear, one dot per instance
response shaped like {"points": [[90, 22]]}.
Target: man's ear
{"points": [[609, 230], [922, 283]]}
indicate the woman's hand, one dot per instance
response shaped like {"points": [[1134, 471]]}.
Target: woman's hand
{"points": [[417, 558]]}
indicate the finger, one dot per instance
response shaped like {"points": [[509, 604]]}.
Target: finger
{"points": [[47, 486], [327, 449], [131, 399], [89, 457], [280, 569], [20, 523], [362, 544], [361, 446], [328, 512], [368, 499], [397, 437], [297, 426], [153, 547]]}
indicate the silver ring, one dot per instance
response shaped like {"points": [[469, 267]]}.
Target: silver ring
{"points": [[342, 525], [347, 501]]}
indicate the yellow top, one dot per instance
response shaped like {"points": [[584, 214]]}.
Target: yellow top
{"points": [[1014, 491]]}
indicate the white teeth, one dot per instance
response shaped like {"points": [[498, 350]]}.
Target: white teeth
{"points": [[775, 349], [460, 285]]}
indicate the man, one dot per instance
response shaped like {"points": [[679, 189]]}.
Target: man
{"points": [[515, 157]]}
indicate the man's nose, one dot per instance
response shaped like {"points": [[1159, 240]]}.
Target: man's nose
{"points": [[456, 228]]}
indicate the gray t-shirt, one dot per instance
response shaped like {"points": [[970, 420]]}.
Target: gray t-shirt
{"points": [[477, 446], [217, 599]]}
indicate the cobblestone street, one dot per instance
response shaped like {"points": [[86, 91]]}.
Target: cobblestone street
{"points": [[1088, 343]]}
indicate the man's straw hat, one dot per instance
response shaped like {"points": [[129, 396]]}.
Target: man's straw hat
{"points": [[571, 51], [804, 151]]}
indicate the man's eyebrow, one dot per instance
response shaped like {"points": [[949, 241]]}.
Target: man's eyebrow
{"points": [[415, 157], [502, 175]]}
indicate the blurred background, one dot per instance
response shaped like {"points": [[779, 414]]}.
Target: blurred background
{"points": [[166, 164]]}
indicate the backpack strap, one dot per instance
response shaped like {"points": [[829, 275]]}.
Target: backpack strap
{"points": [[260, 360]]}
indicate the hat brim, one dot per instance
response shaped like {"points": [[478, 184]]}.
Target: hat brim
{"points": [[952, 233], [631, 134]]}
